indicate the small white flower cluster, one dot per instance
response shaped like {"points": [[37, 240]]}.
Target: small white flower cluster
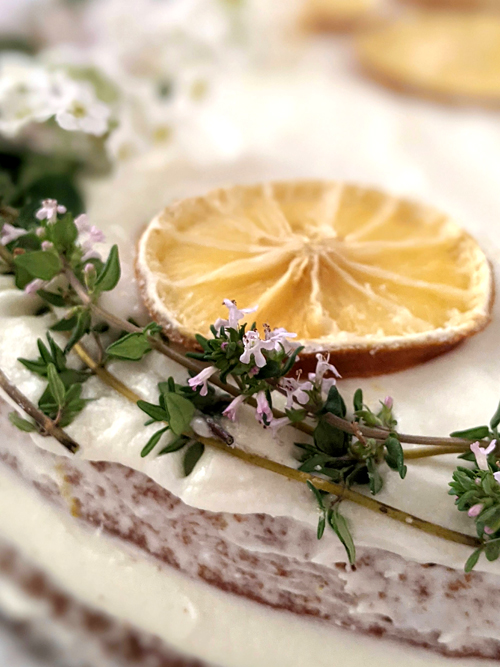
{"points": [[32, 93], [278, 339]]}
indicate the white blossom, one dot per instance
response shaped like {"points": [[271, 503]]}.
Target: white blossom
{"points": [[323, 367], [81, 110], [296, 390], [10, 233], [253, 347], [232, 409], [279, 336], [481, 454], [201, 380], [235, 315], [49, 210], [35, 285], [263, 412], [26, 93]]}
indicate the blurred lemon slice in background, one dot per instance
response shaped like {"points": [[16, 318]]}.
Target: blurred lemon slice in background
{"points": [[378, 282], [452, 56]]}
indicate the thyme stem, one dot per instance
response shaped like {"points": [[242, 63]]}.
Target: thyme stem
{"points": [[382, 434], [338, 490], [46, 425]]}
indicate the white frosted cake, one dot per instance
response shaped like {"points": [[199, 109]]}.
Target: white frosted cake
{"points": [[114, 559]]}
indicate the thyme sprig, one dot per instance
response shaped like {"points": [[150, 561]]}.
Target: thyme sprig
{"points": [[52, 256]]}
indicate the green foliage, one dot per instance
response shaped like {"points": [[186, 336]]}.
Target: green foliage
{"points": [[133, 346], [192, 456], [329, 513], [22, 424]]}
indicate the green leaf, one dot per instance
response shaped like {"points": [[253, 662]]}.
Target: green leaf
{"points": [[65, 324], [39, 367], [472, 560], [52, 298], [152, 442], [376, 481], [175, 445], [311, 464], [57, 354], [321, 526], [339, 525], [492, 550], [476, 433], [358, 400], [154, 411], [39, 264], [317, 494], [56, 386], [181, 412], [335, 403], [495, 420], [291, 360], [83, 324], [395, 457], [192, 456], [296, 416], [64, 233], [108, 279], [330, 439], [20, 423], [132, 347]]}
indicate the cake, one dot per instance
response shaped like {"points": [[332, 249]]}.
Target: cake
{"points": [[108, 557]]}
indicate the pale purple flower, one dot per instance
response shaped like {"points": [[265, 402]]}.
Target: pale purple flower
{"points": [[235, 315], [496, 475], [296, 390], [89, 236], [253, 347], [35, 285], [49, 210], [277, 424], [488, 530], [10, 233], [481, 454], [201, 380], [322, 368], [475, 510], [82, 222], [47, 245], [279, 336], [40, 231], [263, 412], [389, 402], [232, 408], [88, 268]]}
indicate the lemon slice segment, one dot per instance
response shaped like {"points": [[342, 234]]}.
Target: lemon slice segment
{"points": [[452, 56], [378, 282]]}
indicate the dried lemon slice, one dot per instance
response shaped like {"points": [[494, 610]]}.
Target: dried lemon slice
{"points": [[456, 4], [447, 55], [378, 282], [325, 15]]}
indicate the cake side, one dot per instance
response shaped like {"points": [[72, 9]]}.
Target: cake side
{"points": [[267, 560]]}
